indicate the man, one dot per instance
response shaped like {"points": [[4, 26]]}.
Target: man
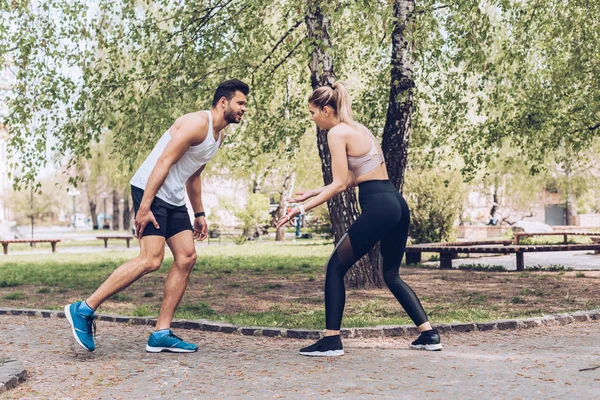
{"points": [[158, 190]]}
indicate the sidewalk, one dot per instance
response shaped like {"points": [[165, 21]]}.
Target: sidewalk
{"points": [[538, 363]]}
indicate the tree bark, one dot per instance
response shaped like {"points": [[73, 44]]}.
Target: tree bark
{"points": [[343, 208], [126, 213], [281, 210], [93, 214], [115, 216], [396, 133]]}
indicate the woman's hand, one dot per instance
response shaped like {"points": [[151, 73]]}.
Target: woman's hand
{"points": [[301, 197], [286, 218]]}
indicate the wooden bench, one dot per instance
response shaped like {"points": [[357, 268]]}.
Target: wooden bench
{"points": [[413, 253], [106, 237], [6, 242], [223, 233], [450, 252], [565, 234], [596, 240]]}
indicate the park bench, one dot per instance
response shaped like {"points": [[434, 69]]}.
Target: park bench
{"points": [[218, 233], [519, 235], [596, 240], [448, 252], [413, 253], [32, 242], [107, 237]]}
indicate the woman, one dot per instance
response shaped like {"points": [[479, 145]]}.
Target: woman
{"points": [[357, 159]]}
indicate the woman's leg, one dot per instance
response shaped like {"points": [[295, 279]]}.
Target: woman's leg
{"points": [[392, 251], [351, 247], [364, 233]]}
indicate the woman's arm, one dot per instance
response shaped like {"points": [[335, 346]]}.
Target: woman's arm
{"points": [[336, 139]]}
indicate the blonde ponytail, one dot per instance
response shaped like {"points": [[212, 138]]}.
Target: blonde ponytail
{"points": [[344, 104], [338, 99]]}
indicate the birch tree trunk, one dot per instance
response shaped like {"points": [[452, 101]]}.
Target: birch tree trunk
{"points": [[115, 211], [396, 133], [343, 208], [281, 210], [126, 213], [93, 214]]}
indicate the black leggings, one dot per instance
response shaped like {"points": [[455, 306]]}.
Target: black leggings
{"points": [[385, 218]]}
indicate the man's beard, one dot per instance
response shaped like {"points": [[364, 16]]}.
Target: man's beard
{"points": [[231, 116]]}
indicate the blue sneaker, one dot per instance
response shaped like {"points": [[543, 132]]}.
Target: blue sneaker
{"points": [[169, 342], [84, 328]]}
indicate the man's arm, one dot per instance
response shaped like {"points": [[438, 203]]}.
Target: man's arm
{"points": [[194, 190], [191, 130]]}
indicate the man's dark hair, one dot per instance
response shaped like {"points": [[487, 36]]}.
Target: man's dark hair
{"points": [[228, 88]]}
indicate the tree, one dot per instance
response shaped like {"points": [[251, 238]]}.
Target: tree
{"points": [[342, 208], [519, 70], [398, 123]]}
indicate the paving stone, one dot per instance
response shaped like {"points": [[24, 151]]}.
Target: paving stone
{"points": [[393, 331], [443, 328], [506, 324], [528, 323], [463, 327], [303, 334], [369, 332], [11, 373], [486, 326]]}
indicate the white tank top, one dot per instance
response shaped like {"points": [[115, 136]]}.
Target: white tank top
{"points": [[173, 189]]}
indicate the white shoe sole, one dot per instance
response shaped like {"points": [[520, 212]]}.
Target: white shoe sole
{"points": [[428, 347], [151, 349], [329, 353], [70, 319]]}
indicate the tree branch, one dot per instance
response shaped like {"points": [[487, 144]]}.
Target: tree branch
{"points": [[287, 56], [285, 35], [424, 10], [590, 128]]}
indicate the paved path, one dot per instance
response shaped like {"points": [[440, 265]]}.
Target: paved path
{"points": [[539, 363]]}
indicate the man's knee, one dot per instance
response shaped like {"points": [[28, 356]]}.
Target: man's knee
{"points": [[150, 264], [186, 262]]}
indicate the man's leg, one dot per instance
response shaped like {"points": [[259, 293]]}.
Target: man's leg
{"points": [[152, 252], [81, 314], [184, 254]]}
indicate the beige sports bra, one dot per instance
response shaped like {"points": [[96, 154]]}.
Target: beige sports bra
{"points": [[361, 165]]}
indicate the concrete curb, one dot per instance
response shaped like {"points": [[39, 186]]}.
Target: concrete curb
{"points": [[371, 332], [11, 374]]}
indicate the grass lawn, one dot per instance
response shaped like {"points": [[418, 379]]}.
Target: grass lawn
{"points": [[281, 284]]}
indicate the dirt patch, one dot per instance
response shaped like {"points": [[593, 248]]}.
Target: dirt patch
{"points": [[442, 292]]}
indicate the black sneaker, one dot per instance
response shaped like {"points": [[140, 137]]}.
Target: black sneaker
{"points": [[329, 346], [428, 340]]}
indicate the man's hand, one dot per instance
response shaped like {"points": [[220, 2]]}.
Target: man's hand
{"points": [[200, 228], [143, 218]]}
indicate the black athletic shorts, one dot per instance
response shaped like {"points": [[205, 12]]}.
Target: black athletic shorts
{"points": [[171, 219]]}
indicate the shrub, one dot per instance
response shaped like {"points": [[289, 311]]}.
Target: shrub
{"points": [[435, 198]]}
